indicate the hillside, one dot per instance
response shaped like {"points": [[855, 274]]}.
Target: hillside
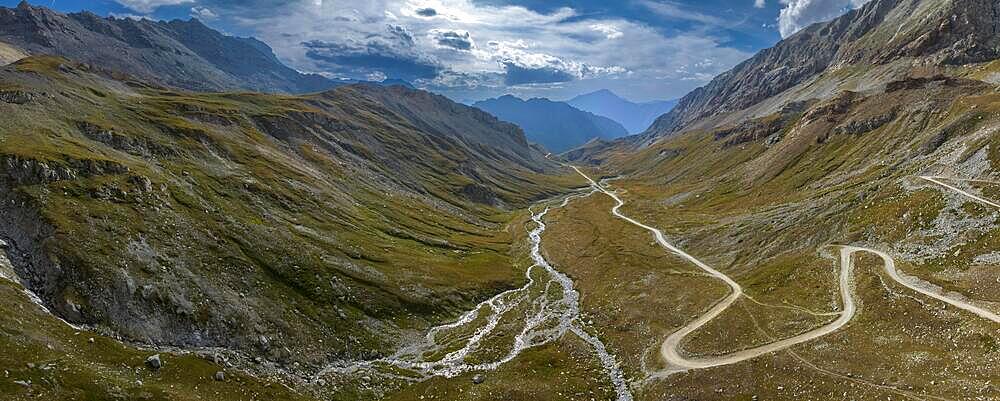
{"points": [[179, 54], [822, 222], [831, 193], [289, 229], [10, 54], [635, 117], [555, 125], [888, 38]]}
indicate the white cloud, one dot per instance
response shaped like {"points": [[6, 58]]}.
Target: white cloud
{"points": [[452, 39], [759, 3], [670, 9], [203, 13], [146, 6], [132, 16], [511, 44], [798, 14], [525, 67], [610, 31]]}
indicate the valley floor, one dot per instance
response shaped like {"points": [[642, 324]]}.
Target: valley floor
{"points": [[613, 309], [680, 329]]}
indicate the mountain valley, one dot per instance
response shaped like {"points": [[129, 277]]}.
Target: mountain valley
{"points": [[821, 222]]}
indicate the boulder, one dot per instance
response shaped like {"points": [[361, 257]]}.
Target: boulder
{"points": [[154, 362]]}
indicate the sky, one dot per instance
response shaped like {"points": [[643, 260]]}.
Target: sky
{"points": [[470, 50]]}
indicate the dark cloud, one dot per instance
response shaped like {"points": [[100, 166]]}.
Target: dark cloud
{"points": [[520, 75], [392, 53], [399, 34], [427, 12], [453, 39]]}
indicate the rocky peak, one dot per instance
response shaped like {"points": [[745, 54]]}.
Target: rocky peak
{"points": [[943, 31], [937, 32]]}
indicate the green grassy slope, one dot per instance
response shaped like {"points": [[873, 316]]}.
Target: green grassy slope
{"points": [[297, 229], [764, 202]]}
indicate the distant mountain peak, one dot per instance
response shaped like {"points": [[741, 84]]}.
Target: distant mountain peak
{"points": [[556, 125], [604, 92], [635, 117], [397, 82]]}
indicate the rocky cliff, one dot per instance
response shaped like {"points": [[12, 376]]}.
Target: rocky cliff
{"points": [[931, 32]]}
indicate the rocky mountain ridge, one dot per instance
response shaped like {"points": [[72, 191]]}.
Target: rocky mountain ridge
{"points": [[180, 54], [929, 32]]}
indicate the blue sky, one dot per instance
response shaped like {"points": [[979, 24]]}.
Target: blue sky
{"points": [[473, 49]]}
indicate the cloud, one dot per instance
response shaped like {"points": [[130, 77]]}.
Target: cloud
{"points": [[609, 31], [203, 13], [759, 3], [472, 80], [798, 14], [390, 53], [672, 10], [458, 40], [524, 67], [146, 6], [520, 75], [133, 16], [470, 44], [426, 12]]}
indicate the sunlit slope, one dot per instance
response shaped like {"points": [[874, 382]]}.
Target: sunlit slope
{"points": [[292, 228], [766, 201]]}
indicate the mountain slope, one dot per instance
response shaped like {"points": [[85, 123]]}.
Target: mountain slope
{"points": [[296, 229], [879, 131], [10, 54], [635, 117], [556, 125], [885, 35], [179, 54]]}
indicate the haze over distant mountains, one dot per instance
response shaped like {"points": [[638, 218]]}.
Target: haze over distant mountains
{"points": [[556, 125], [635, 117]]}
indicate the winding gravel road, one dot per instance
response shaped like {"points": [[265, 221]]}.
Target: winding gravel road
{"points": [[670, 348], [937, 180]]}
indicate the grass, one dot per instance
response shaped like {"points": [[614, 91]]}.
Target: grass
{"points": [[61, 363], [322, 245], [766, 216], [321, 234]]}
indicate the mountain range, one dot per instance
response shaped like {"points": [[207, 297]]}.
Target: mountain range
{"points": [[820, 222], [884, 35], [154, 209], [211, 206], [852, 168], [635, 117], [555, 125], [178, 54]]}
